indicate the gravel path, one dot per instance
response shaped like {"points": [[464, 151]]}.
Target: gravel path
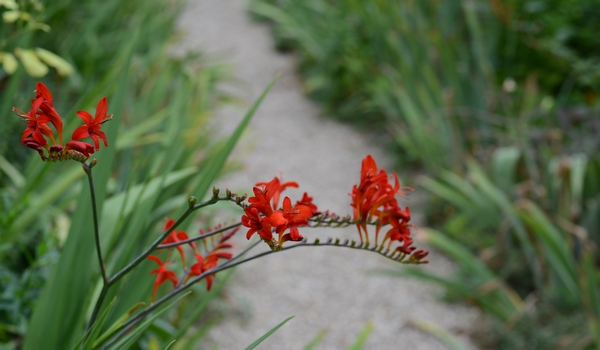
{"points": [[327, 289]]}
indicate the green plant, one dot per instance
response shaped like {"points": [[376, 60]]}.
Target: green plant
{"points": [[75, 293], [553, 230]]}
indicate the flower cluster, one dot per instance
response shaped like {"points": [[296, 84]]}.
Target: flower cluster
{"points": [[263, 214], [374, 202], [203, 263], [37, 132]]}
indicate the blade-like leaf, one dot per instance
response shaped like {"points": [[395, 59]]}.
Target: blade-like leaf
{"points": [[442, 334], [261, 339], [362, 337]]}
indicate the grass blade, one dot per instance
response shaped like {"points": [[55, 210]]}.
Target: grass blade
{"points": [[268, 334]]}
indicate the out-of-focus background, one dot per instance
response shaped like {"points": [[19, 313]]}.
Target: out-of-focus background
{"points": [[492, 104]]}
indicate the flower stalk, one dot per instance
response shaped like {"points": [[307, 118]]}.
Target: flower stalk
{"points": [[276, 223]]}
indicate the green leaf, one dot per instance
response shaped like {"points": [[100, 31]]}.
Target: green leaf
{"points": [[170, 344], [504, 166], [115, 326], [85, 343], [122, 204], [492, 294], [360, 341], [318, 338], [268, 334], [131, 337], [13, 174], [202, 305], [43, 200], [556, 247], [589, 289], [209, 174], [442, 334]]}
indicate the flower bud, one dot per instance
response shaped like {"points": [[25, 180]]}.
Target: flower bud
{"points": [[191, 201]]}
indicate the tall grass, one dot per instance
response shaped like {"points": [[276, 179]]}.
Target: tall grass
{"points": [[513, 178], [424, 70], [160, 148]]}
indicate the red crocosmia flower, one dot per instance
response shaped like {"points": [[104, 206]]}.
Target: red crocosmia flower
{"points": [[399, 232], [162, 275], [84, 148], [374, 198], [274, 188], [374, 201], [308, 201], [262, 200], [177, 236], [36, 126], [41, 91], [91, 128], [42, 113], [256, 223], [210, 261], [418, 256], [291, 217]]}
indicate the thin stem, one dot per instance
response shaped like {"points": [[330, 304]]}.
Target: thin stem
{"points": [[193, 239], [149, 250], [242, 253], [110, 281], [127, 326], [162, 237], [87, 167]]}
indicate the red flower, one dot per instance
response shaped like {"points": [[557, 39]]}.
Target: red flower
{"points": [[308, 201], [256, 223], [36, 126], [210, 261], [48, 110], [177, 236], [262, 200], [84, 148], [374, 197], [92, 126], [162, 275], [262, 214], [274, 189], [290, 217], [374, 202], [43, 112]]}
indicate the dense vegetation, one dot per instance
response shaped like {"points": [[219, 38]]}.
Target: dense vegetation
{"points": [[118, 49], [496, 102]]}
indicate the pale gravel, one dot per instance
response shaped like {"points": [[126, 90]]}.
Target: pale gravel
{"points": [[325, 288]]}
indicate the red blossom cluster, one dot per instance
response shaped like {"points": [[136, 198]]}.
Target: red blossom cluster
{"points": [[263, 214], [42, 113], [204, 262], [374, 202]]}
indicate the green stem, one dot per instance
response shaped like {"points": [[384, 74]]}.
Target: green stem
{"points": [[127, 326], [88, 170], [162, 237], [203, 236], [87, 167], [110, 281]]}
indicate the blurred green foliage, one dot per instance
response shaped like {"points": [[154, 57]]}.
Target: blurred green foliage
{"points": [[497, 101], [158, 143]]}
